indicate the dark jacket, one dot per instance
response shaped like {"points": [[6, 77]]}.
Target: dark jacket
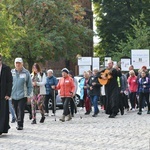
{"points": [[144, 85], [5, 90], [96, 88], [6, 81], [49, 82]]}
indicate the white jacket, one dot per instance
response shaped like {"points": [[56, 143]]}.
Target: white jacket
{"points": [[41, 83]]}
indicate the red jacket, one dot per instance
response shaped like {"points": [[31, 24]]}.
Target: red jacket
{"points": [[133, 85], [66, 86]]}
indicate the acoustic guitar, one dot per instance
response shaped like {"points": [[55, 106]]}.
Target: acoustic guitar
{"points": [[105, 76]]}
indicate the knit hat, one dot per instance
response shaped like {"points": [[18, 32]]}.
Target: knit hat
{"points": [[65, 70]]}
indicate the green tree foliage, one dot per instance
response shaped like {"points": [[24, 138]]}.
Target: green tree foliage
{"points": [[9, 32], [54, 29], [139, 40], [114, 21]]}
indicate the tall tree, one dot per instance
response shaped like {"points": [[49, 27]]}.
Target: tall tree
{"points": [[114, 21], [52, 32], [9, 32]]}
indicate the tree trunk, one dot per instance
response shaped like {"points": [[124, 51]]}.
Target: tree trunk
{"points": [[67, 64]]}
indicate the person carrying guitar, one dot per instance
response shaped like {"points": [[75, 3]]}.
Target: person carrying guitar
{"points": [[112, 92]]}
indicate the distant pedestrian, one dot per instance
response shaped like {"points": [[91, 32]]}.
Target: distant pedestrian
{"points": [[84, 92], [39, 91], [112, 91], [72, 101], [21, 90], [94, 90], [143, 91], [5, 93], [67, 88], [50, 85], [133, 86]]}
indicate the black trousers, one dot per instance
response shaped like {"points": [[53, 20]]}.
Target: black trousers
{"points": [[19, 106], [141, 99], [46, 101], [66, 101]]}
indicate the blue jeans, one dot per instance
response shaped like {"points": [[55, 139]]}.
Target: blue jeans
{"points": [[11, 109], [94, 100]]}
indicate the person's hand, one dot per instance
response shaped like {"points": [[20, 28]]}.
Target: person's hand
{"points": [[94, 83], [7, 97], [34, 83], [85, 87], [91, 88], [53, 86]]}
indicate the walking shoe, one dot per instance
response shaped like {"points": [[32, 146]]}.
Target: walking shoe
{"points": [[139, 113], [33, 121], [13, 120], [148, 112], [62, 119], [69, 118], [122, 111], [94, 115], [19, 128], [112, 116], [52, 114], [30, 116], [46, 114], [87, 113], [42, 119]]}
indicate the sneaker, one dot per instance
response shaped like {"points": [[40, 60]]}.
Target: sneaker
{"points": [[133, 109], [13, 120], [30, 116], [87, 113], [139, 113], [19, 128], [42, 119], [81, 108], [94, 115], [52, 114], [142, 109], [46, 114], [33, 121], [112, 116]]}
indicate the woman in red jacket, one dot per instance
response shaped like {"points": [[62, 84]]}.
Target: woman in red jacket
{"points": [[133, 86], [67, 88]]}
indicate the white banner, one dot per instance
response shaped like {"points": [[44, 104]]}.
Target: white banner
{"points": [[125, 64], [140, 58]]}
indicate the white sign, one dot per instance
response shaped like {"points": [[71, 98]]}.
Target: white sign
{"points": [[106, 59], [140, 58], [125, 63], [95, 62], [85, 61], [83, 68]]}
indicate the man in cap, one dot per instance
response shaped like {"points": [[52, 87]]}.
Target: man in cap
{"points": [[21, 90], [67, 88], [5, 92]]}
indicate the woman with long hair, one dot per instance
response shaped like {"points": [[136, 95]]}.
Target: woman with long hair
{"points": [[39, 91]]}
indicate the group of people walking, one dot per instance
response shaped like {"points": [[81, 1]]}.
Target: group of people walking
{"points": [[18, 86]]}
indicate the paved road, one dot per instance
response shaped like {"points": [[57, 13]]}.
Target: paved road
{"points": [[127, 132]]}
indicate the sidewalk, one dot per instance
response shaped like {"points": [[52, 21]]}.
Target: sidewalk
{"points": [[127, 132]]}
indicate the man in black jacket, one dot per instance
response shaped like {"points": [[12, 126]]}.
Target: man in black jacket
{"points": [[5, 92]]}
